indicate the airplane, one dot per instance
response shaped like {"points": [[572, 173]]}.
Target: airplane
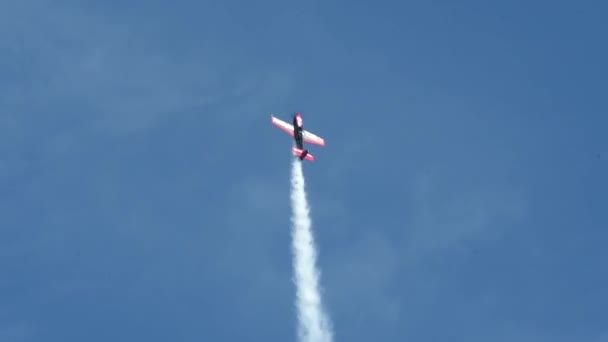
{"points": [[300, 136]]}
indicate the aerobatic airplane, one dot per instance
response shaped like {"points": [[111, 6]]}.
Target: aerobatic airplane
{"points": [[300, 136]]}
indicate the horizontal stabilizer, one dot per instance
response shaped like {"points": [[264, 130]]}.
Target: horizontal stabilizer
{"points": [[297, 152]]}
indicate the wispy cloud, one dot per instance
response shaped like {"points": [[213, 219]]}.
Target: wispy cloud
{"points": [[383, 270], [91, 70], [360, 278], [602, 337], [76, 80], [100, 75], [16, 332]]}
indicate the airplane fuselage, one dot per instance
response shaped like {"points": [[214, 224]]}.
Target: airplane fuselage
{"points": [[297, 132]]}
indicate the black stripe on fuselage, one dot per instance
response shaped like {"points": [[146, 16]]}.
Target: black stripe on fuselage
{"points": [[297, 134]]}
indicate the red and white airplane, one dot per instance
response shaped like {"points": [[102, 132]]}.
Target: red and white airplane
{"points": [[299, 135]]}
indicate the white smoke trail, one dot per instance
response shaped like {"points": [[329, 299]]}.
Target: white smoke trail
{"points": [[313, 324]]}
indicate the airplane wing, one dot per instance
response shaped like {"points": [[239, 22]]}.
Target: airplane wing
{"points": [[312, 139], [282, 125]]}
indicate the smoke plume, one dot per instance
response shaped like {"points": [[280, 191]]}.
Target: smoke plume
{"points": [[313, 323]]}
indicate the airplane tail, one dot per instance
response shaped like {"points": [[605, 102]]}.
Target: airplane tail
{"points": [[302, 154]]}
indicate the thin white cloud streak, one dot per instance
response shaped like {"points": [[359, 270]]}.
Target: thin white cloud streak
{"points": [[313, 322]]}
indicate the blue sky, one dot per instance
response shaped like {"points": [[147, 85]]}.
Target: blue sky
{"points": [[461, 195]]}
